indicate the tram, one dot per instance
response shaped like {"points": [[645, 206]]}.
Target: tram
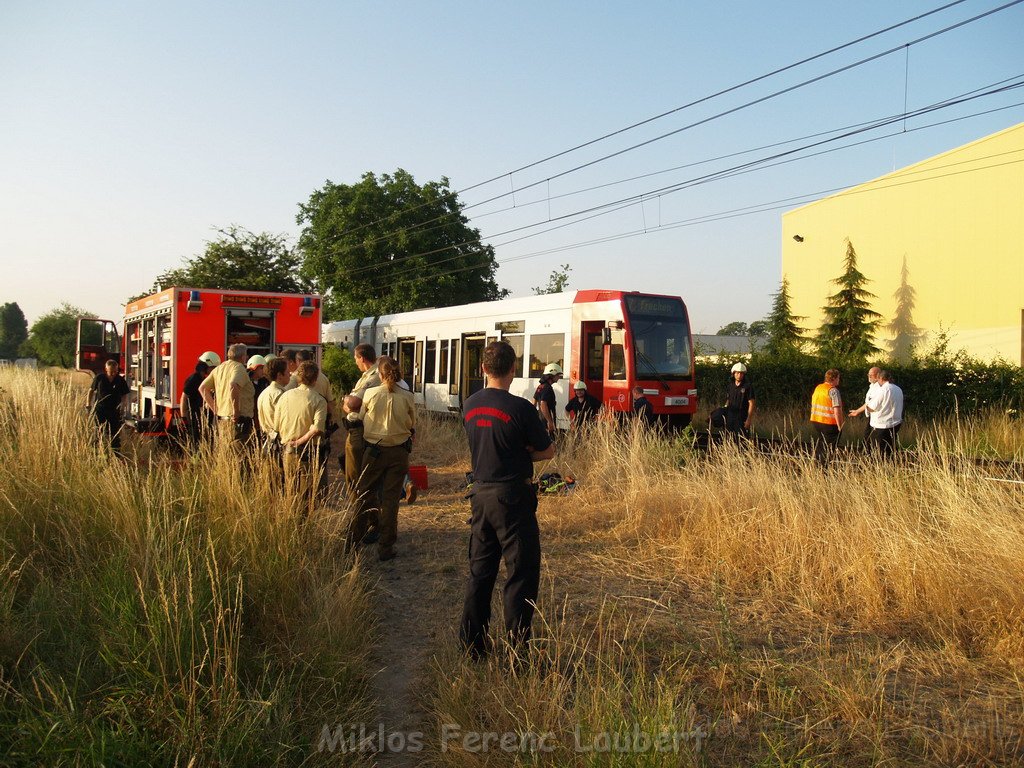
{"points": [[611, 340]]}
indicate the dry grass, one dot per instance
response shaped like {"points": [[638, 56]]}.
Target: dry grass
{"points": [[166, 611], [872, 614]]}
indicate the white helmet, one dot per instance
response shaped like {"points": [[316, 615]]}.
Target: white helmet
{"points": [[256, 360], [268, 357], [552, 368], [739, 367], [212, 359], [579, 385]]}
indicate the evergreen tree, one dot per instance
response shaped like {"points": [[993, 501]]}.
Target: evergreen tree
{"points": [[850, 323], [784, 335], [905, 334], [13, 330]]}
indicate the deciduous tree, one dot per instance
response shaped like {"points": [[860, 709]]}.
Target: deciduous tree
{"points": [[52, 337], [558, 281], [387, 244], [735, 328]]}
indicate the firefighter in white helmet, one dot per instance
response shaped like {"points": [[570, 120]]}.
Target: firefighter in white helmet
{"points": [[544, 395], [738, 412], [197, 420]]}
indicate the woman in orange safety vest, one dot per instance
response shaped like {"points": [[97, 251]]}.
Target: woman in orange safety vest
{"points": [[827, 415]]}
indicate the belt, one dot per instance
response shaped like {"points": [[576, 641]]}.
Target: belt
{"points": [[232, 418]]}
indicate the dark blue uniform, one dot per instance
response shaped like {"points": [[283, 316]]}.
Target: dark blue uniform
{"points": [[108, 394], [501, 427], [585, 409]]}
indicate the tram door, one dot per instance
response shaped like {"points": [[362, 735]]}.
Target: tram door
{"points": [[592, 364], [407, 359], [472, 365]]}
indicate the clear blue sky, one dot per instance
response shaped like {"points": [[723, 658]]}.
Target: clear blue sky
{"points": [[132, 130]]}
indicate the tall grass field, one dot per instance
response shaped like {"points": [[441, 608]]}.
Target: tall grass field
{"points": [[729, 608]]}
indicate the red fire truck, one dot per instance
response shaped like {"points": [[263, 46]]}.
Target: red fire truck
{"points": [[164, 334]]}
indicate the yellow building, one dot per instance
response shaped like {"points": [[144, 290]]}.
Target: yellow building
{"points": [[956, 220]]}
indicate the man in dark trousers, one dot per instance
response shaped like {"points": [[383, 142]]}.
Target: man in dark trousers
{"points": [[108, 394], [505, 439], [643, 411], [582, 407], [739, 405]]}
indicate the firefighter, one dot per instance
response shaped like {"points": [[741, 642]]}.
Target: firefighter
{"points": [[737, 413], [196, 418], [301, 420], [582, 407], [229, 393], [107, 396], [544, 395], [389, 420], [266, 407], [366, 361]]}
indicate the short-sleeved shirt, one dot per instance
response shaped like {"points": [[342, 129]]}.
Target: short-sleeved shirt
{"points": [[740, 396], [219, 382], [370, 378], [388, 417], [585, 409], [267, 406], [500, 426], [644, 410], [297, 410], [191, 392], [545, 393], [888, 412], [109, 393]]}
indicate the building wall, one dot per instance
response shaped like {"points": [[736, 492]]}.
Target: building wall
{"points": [[957, 219]]}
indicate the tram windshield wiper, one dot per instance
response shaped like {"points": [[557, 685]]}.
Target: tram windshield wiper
{"points": [[654, 369]]}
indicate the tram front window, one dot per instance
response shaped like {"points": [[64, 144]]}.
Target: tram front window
{"points": [[661, 337]]}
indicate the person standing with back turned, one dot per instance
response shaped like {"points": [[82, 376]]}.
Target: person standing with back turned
{"points": [[827, 416], [505, 439]]}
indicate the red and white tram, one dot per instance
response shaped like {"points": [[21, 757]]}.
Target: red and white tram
{"points": [[612, 340]]}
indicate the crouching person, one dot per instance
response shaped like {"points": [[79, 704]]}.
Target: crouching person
{"points": [[301, 420], [389, 419]]}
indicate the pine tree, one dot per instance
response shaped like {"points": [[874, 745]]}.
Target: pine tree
{"points": [[850, 323], [905, 334], [784, 335]]}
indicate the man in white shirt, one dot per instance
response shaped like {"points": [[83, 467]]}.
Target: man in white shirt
{"points": [[869, 400], [886, 416]]}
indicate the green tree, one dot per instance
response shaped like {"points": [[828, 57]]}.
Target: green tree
{"points": [[735, 328], [784, 333], [905, 334], [240, 260], [850, 323], [558, 281], [13, 330], [52, 337], [758, 328], [388, 244]]}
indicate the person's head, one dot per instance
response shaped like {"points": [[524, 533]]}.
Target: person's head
{"points": [[832, 376], [308, 373], [277, 370], [111, 368], [303, 356], [289, 356], [499, 361], [365, 356], [256, 365], [873, 372], [553, 371], [638, 392], [739, 370], [580, 389], [238, 353], [202, 369], [390, 373], [884, 376]]}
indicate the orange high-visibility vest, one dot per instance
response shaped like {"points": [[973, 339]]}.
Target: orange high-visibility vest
{"points": [[821, 405]]}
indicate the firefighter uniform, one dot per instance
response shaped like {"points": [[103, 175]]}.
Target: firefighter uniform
{"points": [[267, 408], [354, 442], [389, 420], [230, 431], [296, 412]]}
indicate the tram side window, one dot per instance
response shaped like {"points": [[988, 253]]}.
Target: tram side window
{"points": [[617, 356], [518, 342], [453, 367], [442, 368], [546, 348], [430, 363]]}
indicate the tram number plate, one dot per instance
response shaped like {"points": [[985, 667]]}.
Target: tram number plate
{"points": [[677, 401]]}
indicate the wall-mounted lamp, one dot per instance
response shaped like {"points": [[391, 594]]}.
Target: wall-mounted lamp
{"points": [[798, 238]]}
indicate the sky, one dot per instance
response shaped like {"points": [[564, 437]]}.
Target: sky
{"points": [[132, 132]]}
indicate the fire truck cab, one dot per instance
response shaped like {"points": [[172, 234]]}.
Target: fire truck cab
{"points": [[164, 335]]}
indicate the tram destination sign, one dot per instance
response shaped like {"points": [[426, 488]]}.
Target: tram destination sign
{"points": [[653, 306]]}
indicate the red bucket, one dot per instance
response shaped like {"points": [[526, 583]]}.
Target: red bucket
{"points": [[418, 474]]}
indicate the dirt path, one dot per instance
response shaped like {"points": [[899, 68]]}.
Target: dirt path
{"points": [[419, 598]]}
